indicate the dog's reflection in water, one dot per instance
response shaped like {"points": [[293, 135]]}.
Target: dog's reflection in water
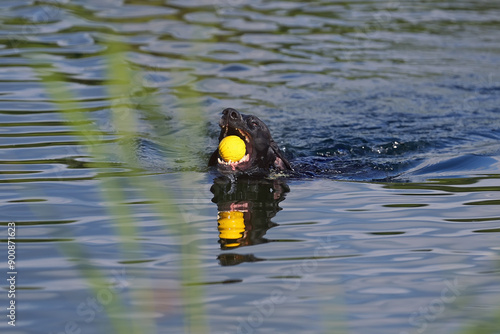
{"points": [[246, 207]]}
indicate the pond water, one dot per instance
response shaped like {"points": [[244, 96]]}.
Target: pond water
{"points": [[388, 111]]}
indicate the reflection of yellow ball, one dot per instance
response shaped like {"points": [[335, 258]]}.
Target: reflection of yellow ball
{"points": [[232, 148], [231, 224]]}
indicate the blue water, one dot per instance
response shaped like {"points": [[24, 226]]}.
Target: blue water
{"points": [[388, 111]]}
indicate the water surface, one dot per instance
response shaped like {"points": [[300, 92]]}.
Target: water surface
{"points": [[389, 111]]}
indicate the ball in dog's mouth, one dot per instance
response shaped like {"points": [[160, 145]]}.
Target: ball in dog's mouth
{"points": [[232, 148]]}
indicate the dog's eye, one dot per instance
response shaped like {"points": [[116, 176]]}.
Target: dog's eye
{"points": [[254, 124]]}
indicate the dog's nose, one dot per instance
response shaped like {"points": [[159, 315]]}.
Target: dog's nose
{"points": [[231, 113]]}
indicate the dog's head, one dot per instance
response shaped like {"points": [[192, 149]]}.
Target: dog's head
{"points": [[262, 153]]}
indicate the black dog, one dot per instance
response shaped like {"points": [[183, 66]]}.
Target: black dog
{"points": [[262, 153]]}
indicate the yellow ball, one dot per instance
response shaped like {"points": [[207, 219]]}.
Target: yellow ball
{"points": [[232, 148]]}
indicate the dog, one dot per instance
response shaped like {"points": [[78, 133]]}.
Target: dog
{"points": [[262, 153]]}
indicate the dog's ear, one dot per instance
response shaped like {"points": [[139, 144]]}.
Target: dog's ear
{"points": [[277, 157], [213, 158]]}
